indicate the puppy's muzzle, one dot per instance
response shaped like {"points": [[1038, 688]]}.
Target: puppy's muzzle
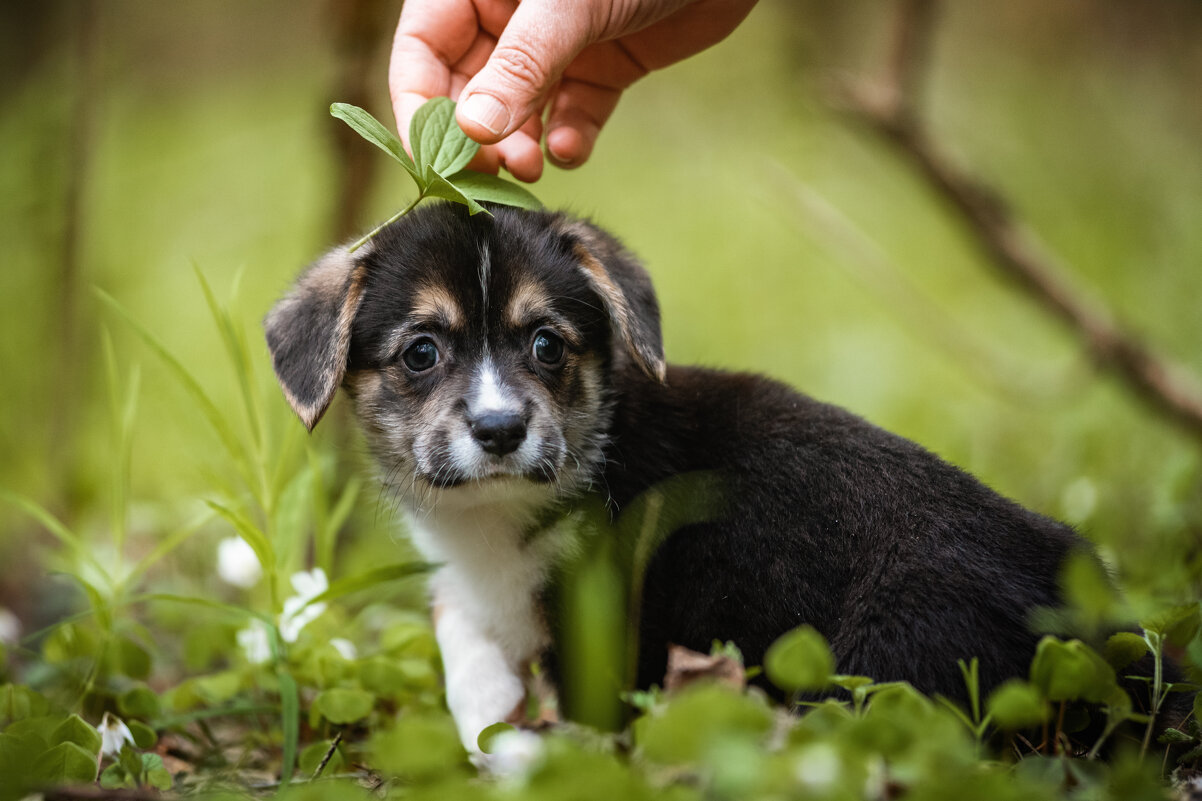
{"points": [[498, 433]]}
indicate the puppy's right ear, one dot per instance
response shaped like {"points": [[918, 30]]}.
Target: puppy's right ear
{"points": [[309, 332]]}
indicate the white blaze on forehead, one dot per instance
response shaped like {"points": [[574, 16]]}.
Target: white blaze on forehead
{"points": [[489, 393]]}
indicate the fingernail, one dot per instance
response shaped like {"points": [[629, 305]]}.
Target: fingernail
{"points": [[487, 112]]}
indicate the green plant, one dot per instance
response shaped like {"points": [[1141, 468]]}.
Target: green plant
{"points": [[441, 151]]}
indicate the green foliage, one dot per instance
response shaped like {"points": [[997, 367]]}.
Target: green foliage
{"points": [[441, 151], [1071, 671], [800, 661], [343, 704], [697, 720], [1016, 705]]}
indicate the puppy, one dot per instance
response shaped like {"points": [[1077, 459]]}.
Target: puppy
{"points": [[504, 367]]}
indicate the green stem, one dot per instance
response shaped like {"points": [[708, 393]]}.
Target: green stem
{"points": [[1155, 644], [387, 222]]}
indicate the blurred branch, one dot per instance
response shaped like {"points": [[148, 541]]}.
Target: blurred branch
{"points": [[360, 28], [65, 328], [888, 107], [869, 264]]}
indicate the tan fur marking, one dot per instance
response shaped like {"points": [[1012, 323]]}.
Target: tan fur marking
{"points": [[619, 309], [327, 278], [436, 303], [527, 301]]}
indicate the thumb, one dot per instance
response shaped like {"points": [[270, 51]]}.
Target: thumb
{"points": [[541, 39]]}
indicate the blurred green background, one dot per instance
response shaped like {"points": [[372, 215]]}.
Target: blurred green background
{"points": [[142, 140]]}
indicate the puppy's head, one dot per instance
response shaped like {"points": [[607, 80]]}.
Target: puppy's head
{"points": [[474, 347]]}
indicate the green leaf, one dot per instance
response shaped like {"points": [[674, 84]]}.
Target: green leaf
{"points": [[18, 702], [1171, 735], [344, 704], [1016, 705], [422, 746], [851, 683], [77, 730], [437, 186], [138, 702], [1177, 624], [131, 760], [382, 676], [114, 778], [65, 763], [155, 772], [370, 129], [799, 661], [130, 659], [485, 738], [1068, 671], [697, 718], [144, 736], [314, 753], [437, 140], [1089, 591], [494, 189], [1124, 648]]}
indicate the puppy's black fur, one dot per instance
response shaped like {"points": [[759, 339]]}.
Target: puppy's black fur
{"points": [[902, 561]]}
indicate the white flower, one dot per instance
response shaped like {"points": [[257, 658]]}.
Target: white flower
{"points": [[818, 766], [345, 647], [514, 753], [114, 734], [237, 563], [10, 627], [255, 643], [298, 612]]}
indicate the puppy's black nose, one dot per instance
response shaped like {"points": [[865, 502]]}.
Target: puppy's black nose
{"points": [[499, 433]]}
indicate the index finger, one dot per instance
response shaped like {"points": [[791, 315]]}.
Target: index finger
{"points": [[431, 36]]}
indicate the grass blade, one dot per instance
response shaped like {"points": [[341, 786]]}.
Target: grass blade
{"points": [[209, 409], [166, 546], [56, 529], [236, 349], [373, 578], [289, 721], [258, 542]]}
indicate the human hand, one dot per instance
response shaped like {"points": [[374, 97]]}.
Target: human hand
{"points": [[508, 63]]}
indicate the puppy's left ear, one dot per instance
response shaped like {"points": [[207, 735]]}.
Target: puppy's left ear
{"points": [[309, 333], [625, 289]]}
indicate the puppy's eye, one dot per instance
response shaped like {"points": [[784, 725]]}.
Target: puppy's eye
{"points": [[421, 355], [548, 348]]}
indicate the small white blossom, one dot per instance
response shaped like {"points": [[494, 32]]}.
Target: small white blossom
{"points": [[114, 734], [237, 563], [515, 753], [10, 627], [298, 612], [345, 647], [254, 642], [818, 766]]}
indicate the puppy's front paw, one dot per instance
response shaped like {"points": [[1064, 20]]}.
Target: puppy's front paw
{"points": [[513, 753]]}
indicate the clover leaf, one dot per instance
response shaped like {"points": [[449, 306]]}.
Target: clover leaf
{"points": [[441, 152]]}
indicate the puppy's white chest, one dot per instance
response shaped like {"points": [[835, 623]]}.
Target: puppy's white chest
{"points": [[494, 578], [487, 617]]}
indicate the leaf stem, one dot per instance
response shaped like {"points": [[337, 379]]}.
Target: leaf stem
{"points": [[1155, 644], [421, 196]]}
